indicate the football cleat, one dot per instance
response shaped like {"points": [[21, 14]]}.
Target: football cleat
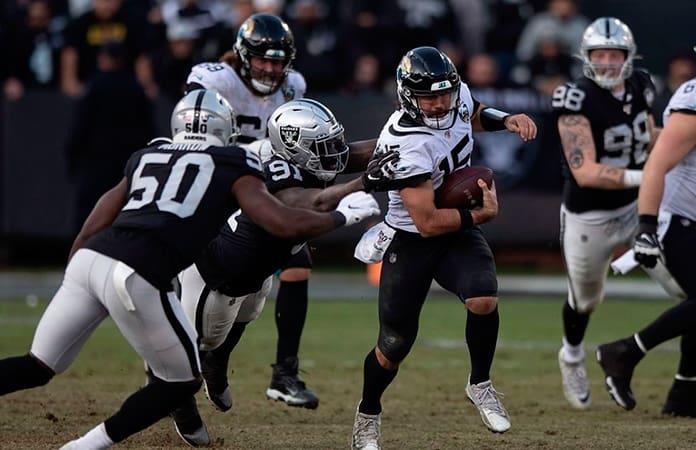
{"points": [[189, 425], [286, 386], [575, 386], [681, 400], [618, 369], [366, 431], [215, 385], [487, 400]]}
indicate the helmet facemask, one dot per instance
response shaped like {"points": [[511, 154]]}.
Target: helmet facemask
{"points": [[410, 101], [261, 81], [329, 157], [607, 76], [608, 33]]}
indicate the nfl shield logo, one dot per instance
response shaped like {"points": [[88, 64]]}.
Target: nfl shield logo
{"points": [[289, 135]]}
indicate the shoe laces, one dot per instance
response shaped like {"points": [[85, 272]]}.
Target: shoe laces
{"points": [[366, 430], [488, 398]]}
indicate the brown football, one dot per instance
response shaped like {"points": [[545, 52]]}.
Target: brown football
{"points": [[460, 189]]}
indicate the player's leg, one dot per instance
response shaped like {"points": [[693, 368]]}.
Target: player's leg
{"points": [[407, 272], [155, 325], [618, 359], [290, 315], [587, 250], [468, 270], [69, 320]]}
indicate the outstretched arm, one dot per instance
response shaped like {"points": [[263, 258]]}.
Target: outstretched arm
{"points": [[360, 154], [486, 118], [318, 199]]}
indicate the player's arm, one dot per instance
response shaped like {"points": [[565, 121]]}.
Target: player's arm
{"points": [[360, 154], [290, 223], [486, 118], [321, 200], [431, 221], [581, 154], [103, 214], [654, 131], [677, 138]]}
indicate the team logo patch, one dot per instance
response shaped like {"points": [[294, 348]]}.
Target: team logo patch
{"points": [[288, 93], [289, 135], [464, 113], [392, 258]]}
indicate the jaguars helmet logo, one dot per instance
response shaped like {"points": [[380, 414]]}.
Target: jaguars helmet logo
{"points": [[289, 135], [464, 113]]}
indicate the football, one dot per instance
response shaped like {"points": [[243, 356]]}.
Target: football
{"points": [[461, 189]]}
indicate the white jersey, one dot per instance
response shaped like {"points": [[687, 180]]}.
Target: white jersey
{"points": [[425, 153], [253, 110], [680, 184]]}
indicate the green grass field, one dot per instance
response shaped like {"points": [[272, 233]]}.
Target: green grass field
{"points": [[425, 408]]}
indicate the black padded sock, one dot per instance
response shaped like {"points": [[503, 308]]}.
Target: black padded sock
{"points": [[376, 379], [481, 338], [290, 315]]}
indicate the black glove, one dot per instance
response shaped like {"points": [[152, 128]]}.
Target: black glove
{"points": [[647, 248], [380, 170]]}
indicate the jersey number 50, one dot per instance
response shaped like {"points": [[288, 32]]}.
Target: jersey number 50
{"points": [[169, 199]]}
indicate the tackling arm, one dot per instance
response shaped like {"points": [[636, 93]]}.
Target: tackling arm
{"points": [[580, 153], [321, 200], [360, 154], [103, 214]]}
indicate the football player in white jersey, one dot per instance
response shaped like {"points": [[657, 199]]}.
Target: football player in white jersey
{"points": [[433, 133], [668, 188], [256, 78]]}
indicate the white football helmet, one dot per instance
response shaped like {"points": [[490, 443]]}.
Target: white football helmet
{"points": [[607, 33], [203, 116], [306, 132]]}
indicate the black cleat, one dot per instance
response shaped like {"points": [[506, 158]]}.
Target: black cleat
{"points": [[189, 425], [681, 400], [617, 362], [216, 387], [287, 386]]}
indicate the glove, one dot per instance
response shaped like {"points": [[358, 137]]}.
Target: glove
{"points": [[357, 207], [380, 170], [647, 248]]}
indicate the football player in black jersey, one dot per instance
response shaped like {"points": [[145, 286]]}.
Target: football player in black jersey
{"points": [[226, 288], [172, 201], [606, 130]]}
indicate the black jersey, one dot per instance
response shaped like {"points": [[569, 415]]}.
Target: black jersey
{"points": [[179, 195], [243, 255], [619, 130]]}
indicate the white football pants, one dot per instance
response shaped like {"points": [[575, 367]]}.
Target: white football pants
{"points": [[96, 286], [214, 313]]}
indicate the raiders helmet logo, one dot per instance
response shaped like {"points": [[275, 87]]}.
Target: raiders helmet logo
{"points": [[289, 135]]}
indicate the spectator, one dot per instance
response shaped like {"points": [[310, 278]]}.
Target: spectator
{"points": [[549, 67], [113, 119], [561, 22], [173, 63], [107, 23], [32, 56], [681, 68], [275, 7], [472, 21], [507, 20], [482, 72]]}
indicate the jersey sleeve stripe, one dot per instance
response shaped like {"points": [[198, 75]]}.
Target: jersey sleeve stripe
{"points": [[412, 181], [683, 110], [398, 133]]}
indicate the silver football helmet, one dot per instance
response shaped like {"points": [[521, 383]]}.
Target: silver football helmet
{"points": [[607, 33], [306, 132], [203, 116]]}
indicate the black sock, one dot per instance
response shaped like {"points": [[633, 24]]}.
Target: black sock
{"points": [[222, 353], [290, 314], [481, 338], [376, 379], [22, 372], [674, 322], [687, 363], [147, 406], [574, 324]]}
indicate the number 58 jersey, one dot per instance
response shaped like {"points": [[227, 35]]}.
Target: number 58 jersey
{"points": [[179, 197], [619, 130]]}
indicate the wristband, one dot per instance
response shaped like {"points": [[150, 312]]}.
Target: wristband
{"points": [[338, 218], [467, 220], [647, 223], [493, 119], [632, 178]]}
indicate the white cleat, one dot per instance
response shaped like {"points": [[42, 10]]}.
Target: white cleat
{"points": [[575, 386], [487, 400], [366, 431]]}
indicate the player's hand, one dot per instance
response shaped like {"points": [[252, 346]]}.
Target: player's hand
{"points": [[380, 170], [522, 125], [489, 210], [647, 249], [357, 207]]}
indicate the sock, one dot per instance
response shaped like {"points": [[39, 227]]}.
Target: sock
{"points": [[22, 372], [376, 379], [687, 362], [96, 438], [574, 325], [573, 353], [222, 353], [147, 406], [290, 314], [674, 322], [481, 338]]}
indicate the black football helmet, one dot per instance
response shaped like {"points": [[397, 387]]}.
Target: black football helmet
{"points": [[427, 72], [269, 37]]}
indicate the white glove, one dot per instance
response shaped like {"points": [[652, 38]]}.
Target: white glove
{"points": [[357, 207]]}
